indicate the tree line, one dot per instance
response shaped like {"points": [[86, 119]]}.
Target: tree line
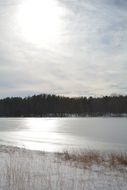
{"points": [[45, 105]]}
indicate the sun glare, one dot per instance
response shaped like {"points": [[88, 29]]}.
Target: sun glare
{"points": [[39, 21]]}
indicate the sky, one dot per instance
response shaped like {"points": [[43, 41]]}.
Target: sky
{"points": [[63, 47]]}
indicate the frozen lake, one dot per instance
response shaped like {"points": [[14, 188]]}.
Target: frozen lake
{"points": [[57, 134]]}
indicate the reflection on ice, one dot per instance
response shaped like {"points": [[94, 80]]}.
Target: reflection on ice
{"points": [[41, 124], [57, 134]]}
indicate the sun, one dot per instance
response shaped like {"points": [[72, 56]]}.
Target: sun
{"points": [[39, 21]]}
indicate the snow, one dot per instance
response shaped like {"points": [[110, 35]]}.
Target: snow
{"points": [[22, 169]]}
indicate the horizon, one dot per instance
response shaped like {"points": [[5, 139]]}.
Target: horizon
{"points": [[64, 96]]}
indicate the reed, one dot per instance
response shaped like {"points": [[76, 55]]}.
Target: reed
{"points": [[90, 157]]}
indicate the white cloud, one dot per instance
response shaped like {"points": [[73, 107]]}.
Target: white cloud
{"points": [[89, 58]]}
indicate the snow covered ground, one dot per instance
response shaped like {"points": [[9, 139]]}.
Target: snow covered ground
{"points": [[22, 169]]}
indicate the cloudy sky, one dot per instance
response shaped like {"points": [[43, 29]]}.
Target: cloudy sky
{"points": [[66, 47]]}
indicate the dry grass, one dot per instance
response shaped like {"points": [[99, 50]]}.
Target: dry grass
{"points": [[21, 169], [117, 159], [88, 158]]}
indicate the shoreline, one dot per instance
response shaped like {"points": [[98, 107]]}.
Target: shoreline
{"points": [[70, 154], [71, 116]]}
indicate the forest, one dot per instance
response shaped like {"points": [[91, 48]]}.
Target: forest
{"points": [[47, 105]]}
